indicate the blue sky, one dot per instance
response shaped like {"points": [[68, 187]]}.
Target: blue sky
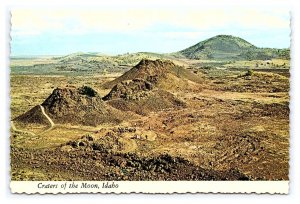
{"points": [[117, 31]]}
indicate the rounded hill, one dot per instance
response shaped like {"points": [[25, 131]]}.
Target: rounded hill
{"points": [[72, 105], [156, 72], [140, 96], [218, 47]]}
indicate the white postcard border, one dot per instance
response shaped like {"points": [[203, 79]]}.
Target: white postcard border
{"points": [[151, 187]]}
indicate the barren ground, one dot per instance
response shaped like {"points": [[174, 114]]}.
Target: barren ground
{"points": [[232, 127]]}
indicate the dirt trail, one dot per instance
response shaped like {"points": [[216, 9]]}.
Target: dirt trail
{"points": [[12, 125], [31, 133], [48, 118], [75, 128]]}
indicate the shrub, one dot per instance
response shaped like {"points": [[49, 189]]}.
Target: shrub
{"points": [[86, 90], [250, 72]]}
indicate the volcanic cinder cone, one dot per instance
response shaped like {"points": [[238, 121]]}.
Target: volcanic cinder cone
{"points": [[82, 106]]}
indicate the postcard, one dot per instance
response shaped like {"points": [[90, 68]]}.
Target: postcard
{"points": [[150, 100]]}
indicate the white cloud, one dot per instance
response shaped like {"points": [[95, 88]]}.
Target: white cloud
{"points": [[132, 20]]}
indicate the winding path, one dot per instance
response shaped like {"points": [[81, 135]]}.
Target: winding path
{"points": [[48, 118], [52, 124], [12, 125], [31, 133]]}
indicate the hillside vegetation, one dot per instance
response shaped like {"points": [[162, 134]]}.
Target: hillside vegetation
{"points": [[224, 47]]}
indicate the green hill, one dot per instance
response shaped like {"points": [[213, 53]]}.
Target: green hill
{"points": [[228, 47]]}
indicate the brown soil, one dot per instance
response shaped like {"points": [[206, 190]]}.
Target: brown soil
{"points": [[90, 161], [258, 82]]}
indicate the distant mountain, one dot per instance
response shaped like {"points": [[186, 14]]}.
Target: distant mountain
{"points": [[228, 47]]}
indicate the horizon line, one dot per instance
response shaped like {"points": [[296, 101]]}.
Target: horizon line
{"points": [[134, 52]]}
